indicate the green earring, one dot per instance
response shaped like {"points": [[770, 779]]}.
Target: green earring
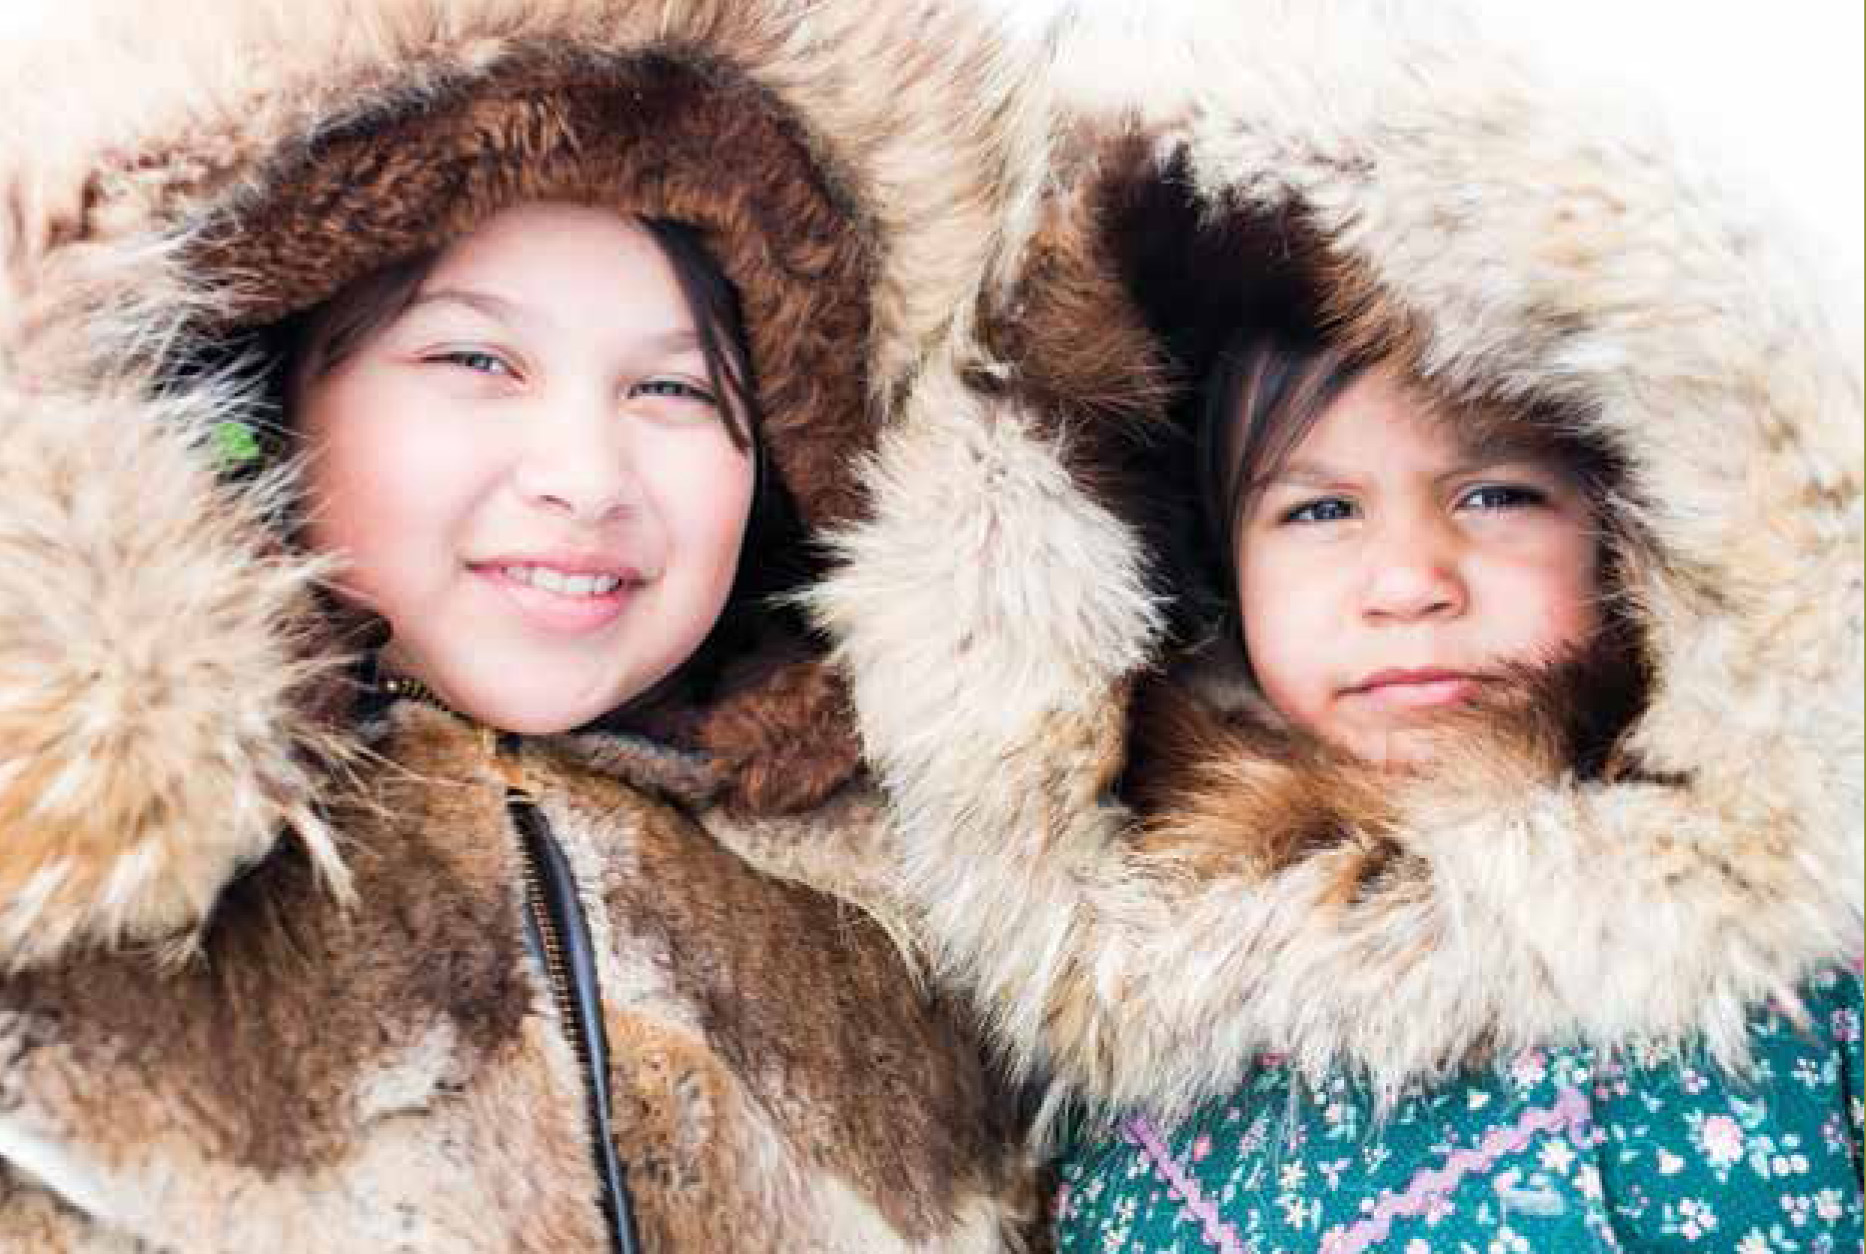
{"points": [[235, 445]]}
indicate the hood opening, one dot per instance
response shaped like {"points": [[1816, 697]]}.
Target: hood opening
{"points": [[1184, 274], [661, 135], [669, 134]]}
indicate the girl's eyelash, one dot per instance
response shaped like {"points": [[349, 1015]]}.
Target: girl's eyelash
{"points": [[1320, 510], [484, 361], [474, 359], [1519, 495], [1487, 496], [677, 388]]}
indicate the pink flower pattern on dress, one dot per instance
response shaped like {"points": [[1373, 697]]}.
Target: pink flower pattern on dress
{"points": [[1560, 1148]]}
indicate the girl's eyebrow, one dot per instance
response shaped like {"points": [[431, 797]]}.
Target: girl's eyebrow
{"points": [[496, 307], [1304, 473], [1521, 459], [511, 312], [678, 339]]}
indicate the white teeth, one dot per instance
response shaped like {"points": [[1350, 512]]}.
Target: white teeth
{"points": [[561, 584]]}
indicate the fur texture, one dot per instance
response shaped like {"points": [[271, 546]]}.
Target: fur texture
{"points": [[1509, 246], [391, 1076], [150, 727], [215, 1038]]}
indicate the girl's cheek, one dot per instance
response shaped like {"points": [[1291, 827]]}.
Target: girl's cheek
{"points": [[1286, 619], [704, 487], [1557, 584]]}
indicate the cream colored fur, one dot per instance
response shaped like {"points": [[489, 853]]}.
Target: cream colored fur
{"points": [[992, 611], [147, 676]]}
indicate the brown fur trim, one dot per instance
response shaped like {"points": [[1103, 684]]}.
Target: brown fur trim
{"points": [[1080, 357], [775, 726], [809, 1016], [786, 744], [257, 1040], [1286, 797], [659, 134], [687, 779]]}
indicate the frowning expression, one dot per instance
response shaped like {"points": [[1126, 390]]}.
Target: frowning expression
{"points": [[1387, 572]]}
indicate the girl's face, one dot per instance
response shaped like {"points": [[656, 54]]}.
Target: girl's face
{"points": [[1387, 573], [529, 474]]}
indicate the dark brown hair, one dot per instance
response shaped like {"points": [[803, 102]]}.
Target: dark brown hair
{"points": [[1264, 393]]}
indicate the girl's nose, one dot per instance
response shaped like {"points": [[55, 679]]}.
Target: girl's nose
{"points": [[578, 464], [1413, 574]]}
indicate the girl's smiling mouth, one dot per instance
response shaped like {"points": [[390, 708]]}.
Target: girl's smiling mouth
{"points": [[562, 594]]}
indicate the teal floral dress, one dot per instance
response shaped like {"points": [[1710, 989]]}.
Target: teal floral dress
{"points": [[1565, 1149]]}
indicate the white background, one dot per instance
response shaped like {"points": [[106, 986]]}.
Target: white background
{"points": [[1776, 89]]}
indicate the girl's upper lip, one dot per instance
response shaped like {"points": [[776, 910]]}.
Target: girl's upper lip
{"points": [[1422, 675], [565, 562]]}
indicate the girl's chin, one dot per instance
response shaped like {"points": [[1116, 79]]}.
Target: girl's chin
{"points": [[1402, 748], [537, 707]]}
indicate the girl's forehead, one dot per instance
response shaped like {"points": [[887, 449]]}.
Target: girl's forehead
{"points": [[563, 270], [533, 246], [1377, 413], [1382, 412]]}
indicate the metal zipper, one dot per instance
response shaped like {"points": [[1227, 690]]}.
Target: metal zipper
{"points": [[535, 845], [552, 946]]}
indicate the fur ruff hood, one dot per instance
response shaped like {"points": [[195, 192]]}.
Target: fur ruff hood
{"points": [[1510, 244], [166, 678]]}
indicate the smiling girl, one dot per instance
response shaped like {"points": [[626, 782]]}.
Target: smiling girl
{"points": [[390, 665], [468, 461]]}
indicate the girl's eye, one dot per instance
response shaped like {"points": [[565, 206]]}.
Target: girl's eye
{"points": [[1493, 496], [1325, 509], [675, 389], [476, 360]]}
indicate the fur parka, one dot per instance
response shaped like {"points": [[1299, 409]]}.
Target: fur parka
{"points": [[1514, 247], [266, 983]]}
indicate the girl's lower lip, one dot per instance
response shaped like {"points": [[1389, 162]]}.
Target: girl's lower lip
{"points": [[554, 611], [1424, 694]]}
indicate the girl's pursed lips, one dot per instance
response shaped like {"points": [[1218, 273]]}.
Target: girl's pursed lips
{"points": [[1425, 688], [1405, 677]]}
